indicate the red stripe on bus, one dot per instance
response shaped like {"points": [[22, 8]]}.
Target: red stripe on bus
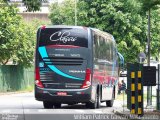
{"points": [[62, 46]]}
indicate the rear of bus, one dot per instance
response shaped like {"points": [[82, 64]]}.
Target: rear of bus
{"points": [[63, 65]]}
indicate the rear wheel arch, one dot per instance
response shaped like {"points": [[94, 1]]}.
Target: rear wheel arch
{"points": [[96, 103]]}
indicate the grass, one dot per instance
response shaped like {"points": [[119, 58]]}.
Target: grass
{"points": [[28, 89], [120, 97]]}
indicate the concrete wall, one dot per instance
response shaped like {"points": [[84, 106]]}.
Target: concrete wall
{"points": [[29, 16]]}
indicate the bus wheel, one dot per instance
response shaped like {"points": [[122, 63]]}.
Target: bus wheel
{"points": [[57, 105], [47, 104], [92, 105], [109, 103]]}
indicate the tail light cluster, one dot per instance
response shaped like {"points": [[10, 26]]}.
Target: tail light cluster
{"points": [[37, 78], [87, 81]]}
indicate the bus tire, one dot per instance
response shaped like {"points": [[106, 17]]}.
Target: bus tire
{"points": [[47, 105], [91, 105], [94, 105], [57, 105], [109, 103]]}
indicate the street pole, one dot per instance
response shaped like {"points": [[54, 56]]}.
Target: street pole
{"points": [[75, 12], [149, 88]]}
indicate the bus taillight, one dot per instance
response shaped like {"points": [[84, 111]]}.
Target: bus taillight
{"points": [[87, 81], [37, 78]]}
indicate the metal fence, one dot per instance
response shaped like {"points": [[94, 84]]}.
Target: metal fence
{"points": [[13, 78]]}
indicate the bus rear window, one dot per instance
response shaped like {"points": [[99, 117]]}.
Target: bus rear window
{"points": [[64, 36]]}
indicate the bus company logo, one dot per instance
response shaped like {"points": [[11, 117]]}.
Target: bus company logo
{"points": [[77, 71], [63, 37]]}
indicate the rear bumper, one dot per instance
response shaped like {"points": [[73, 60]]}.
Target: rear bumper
{"points": [[75, 96]]}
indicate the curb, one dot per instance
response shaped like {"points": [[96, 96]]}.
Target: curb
{"points": [[126, 116], [135, 117], [17, 92]]}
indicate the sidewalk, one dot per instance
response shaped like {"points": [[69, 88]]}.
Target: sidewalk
{"points": [[150, 112], [150, 115]]}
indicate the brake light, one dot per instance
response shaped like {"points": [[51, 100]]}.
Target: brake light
{"points": [[87, 81], [37, 78]]}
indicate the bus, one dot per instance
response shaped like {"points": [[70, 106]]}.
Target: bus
{"points": [[75, 64]]}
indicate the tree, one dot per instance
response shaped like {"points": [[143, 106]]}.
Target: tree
{"points": [[113, 16], [62, 13], [123, 19], [147, 6], [8, 32], [155, 33], [16, 38], [150, 6], [25, 53]]}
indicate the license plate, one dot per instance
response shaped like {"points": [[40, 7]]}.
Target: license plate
{"points": [[61, 93]]}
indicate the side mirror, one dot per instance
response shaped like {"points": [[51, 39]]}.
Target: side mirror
{"points": [[121, 61]]}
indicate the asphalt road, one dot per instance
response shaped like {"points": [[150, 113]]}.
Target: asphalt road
{"points": [[24, 107]]}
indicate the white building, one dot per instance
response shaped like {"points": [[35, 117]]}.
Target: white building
{"points": [[29, 16]]}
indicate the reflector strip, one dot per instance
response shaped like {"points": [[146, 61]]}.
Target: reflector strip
{"points": [[139, 86], [132, 74], [133, 100], [139, 111], [139, 98], [133, 111], [139, 74], [132, 87]]}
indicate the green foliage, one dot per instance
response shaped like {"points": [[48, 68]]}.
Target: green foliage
{"points": [[8, 32], [148, 4], [152, 5], [17, 39], [32, 5], [155, 32], [120, 18], [123, 19], [62, 13], [25, 47]]}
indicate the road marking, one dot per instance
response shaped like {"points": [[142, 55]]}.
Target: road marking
{"points": [[41, 110], [6, 111], [79, 111], [98, 112]]}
